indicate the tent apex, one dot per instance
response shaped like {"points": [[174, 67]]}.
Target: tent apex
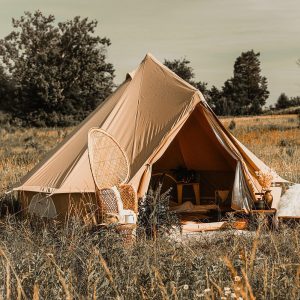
{"points": [[153, 58], [149, 54]]}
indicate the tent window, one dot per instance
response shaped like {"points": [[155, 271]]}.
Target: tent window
{"points": [[42, 206]]}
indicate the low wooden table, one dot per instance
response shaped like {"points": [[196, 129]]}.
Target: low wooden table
{"points": [[196, 188]]}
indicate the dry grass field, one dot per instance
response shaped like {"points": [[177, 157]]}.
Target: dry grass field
{"points": [[274, 139], [48, 261]]}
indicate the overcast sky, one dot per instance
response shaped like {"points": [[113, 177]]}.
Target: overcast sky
{"points": [[210, 33]]}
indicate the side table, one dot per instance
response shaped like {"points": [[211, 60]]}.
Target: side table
{"points": [[196, 188]]}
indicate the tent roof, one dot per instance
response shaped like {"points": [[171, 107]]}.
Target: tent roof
{"points": [[144, 115], [139, 114]]}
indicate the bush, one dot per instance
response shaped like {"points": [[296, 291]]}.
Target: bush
{"points": [[283, 101], [284, 143], [9, 205], [232, 125], [155, 218], [5, 118]]}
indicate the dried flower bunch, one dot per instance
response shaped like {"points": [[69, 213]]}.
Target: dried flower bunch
{"points": [[265, 179]]}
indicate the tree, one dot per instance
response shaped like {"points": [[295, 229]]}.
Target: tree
{"points": [[6, 90], [246, 92], [60, 71], [221, 105], [295, 101], [282, 101], [3, 85], [182, 68]]}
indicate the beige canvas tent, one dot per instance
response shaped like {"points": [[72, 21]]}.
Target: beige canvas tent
{"points": [[161, 122]]}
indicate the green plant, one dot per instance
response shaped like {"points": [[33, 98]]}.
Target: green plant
{"points": [[9, 204], [290, 151], [155, 218], [54, 261], [71, 262], [284, 143], [232, 125]]}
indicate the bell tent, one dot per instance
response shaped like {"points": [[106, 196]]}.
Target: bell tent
{"points": [[161, 122]]}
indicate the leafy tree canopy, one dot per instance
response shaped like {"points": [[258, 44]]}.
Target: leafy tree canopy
{"points": [[5, 89], [59, 70], [182, 68], [283, 101], [246, 92]]}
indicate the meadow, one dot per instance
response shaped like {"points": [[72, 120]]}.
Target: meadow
{"points": [[274, 139], [50, 261]]}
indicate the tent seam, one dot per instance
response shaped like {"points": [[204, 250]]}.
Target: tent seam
{"points": [[137, 112]]}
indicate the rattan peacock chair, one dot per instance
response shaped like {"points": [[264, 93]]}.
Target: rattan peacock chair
{"points": [[110, 169]]}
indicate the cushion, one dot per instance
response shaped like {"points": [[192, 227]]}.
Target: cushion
{"points": [[123, 212]]}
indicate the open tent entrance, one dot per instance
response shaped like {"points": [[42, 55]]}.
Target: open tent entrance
{"points": [[196, 162]]}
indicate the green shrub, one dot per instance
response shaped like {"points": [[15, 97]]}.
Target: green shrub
{"points": [[232, 125], [155, 218], [9, 205]]}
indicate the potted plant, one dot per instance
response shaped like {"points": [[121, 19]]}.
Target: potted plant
{"points": [[265, 180]]}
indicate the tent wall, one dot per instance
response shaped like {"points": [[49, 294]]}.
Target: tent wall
{"points": [[80, 204], [142, 115]]}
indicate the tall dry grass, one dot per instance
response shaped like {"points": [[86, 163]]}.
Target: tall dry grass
{"points": [[40, 261], [22, 148], [72, 262], [274, 139]]}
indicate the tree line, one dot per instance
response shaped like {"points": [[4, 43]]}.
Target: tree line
{"points": [[284, 101], [55, 74], [245, 93]]}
